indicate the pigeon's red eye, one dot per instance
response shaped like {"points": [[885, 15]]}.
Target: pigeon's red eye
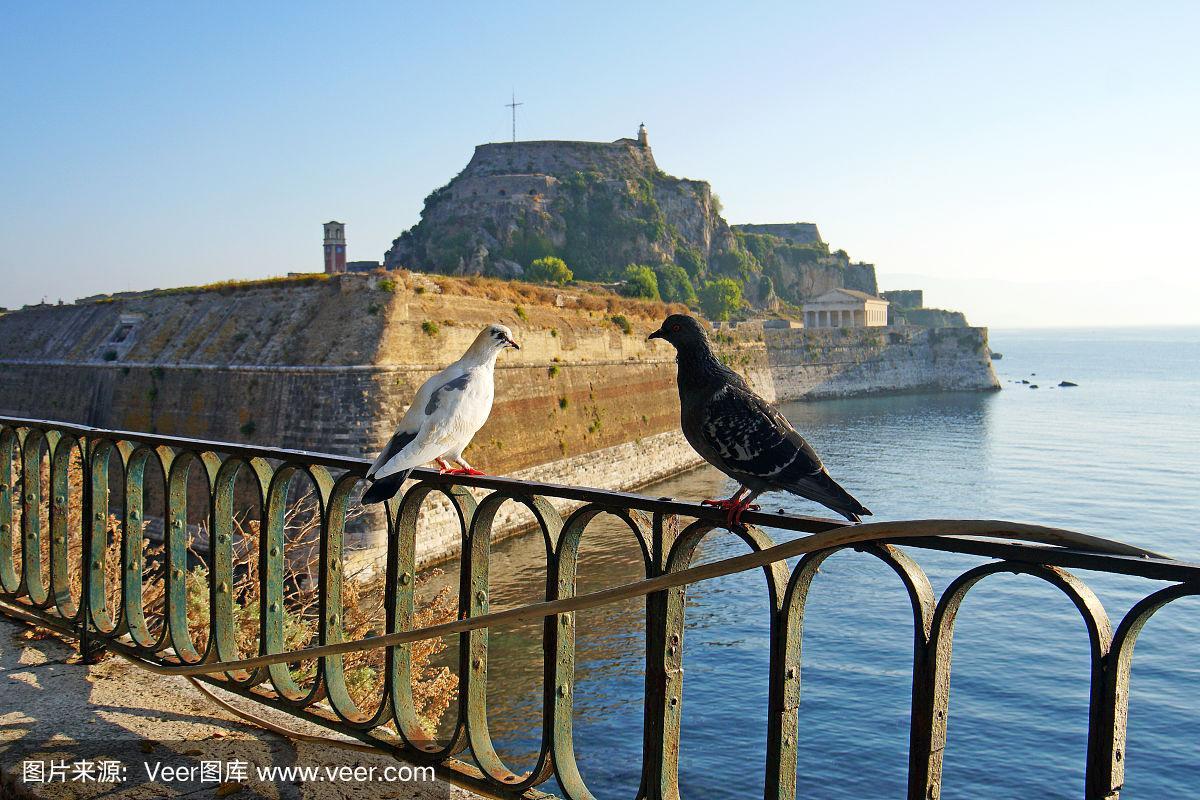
{"points": [[675, 327]]}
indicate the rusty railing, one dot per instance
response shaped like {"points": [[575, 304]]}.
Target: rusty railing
{"points": [[667, 533]]}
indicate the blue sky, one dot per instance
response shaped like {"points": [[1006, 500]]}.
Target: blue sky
{"points": [[1029, 163]]}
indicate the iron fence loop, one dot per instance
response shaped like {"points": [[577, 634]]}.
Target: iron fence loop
{"points": [[58, 569]]}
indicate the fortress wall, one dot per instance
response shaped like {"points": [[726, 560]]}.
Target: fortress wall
{"points": [[331, 366], [328, 410], [814, 364], [798, 232], [620, 158]]}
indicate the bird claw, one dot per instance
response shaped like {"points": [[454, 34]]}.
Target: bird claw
{"points": [[732, 508], [461, 471]]}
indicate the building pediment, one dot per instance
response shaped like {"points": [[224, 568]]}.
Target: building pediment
{"points": [[842, 296]]}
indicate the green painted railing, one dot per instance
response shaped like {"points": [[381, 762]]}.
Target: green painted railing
{"points": [[54, 566]]}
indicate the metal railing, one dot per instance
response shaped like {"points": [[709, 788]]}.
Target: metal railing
{"points": [[467, 756]]}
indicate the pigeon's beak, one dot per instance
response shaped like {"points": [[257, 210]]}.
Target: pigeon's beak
{"points": [[512, 344], [658, 334]]}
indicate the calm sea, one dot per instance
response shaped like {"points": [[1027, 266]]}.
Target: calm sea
{"points": [[1116, 456]]}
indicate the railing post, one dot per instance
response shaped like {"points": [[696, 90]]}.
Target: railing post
{"points": [[782, 705], [924, 770], [660, 727], [1107, 718], [89, 563]]}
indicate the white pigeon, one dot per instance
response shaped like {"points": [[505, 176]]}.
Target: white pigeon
{"points": [[445, 414]]}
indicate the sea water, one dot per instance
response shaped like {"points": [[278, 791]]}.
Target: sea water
{"points": [[1116, 456]]}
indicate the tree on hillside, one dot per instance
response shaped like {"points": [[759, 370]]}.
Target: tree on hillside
{"points": [[640, 281], [720, 298], [548, 270], [674, 284], [690, 259]]}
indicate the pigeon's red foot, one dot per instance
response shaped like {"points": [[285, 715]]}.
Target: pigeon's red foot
{"points": [[462, 471], [733, 509]]}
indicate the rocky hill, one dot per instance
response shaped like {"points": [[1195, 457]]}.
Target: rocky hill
{"points": [[601, 206]]}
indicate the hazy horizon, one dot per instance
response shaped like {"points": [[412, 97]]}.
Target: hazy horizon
{"points": [[1026, 165]]}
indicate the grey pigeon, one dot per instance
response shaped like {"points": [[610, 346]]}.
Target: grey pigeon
{"points": [[741, 434], [445, 414]]}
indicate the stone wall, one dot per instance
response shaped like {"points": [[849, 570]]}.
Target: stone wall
{"points": [[905, 298], [624, 158], [795, 232], [860, 276], [331, 365], [845, 362]]}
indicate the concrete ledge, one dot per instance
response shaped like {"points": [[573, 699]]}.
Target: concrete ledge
{"points": [[55, 710]]}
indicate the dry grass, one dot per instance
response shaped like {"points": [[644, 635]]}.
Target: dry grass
{"points": [[591, 296], [363, 597]]}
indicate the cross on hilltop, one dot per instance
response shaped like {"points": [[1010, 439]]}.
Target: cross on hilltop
{"points": [[513, 105]]}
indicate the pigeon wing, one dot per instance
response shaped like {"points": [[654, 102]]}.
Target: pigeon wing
{"points": [[412, 436], [754, 443], [745, 435]]}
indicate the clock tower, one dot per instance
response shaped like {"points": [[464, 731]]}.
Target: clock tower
{"points": [[335, 247]]}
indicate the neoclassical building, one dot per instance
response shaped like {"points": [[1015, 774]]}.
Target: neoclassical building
{"points": [[845, 308]]}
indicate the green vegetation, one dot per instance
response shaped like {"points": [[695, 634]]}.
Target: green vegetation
{"points": [[552, 370], [550, 269], [640, 281], [386, 285], [606, 225], [738, 262], [520, 312], [621, 322], [563, 403], [721, 298], [429, 327], [247, 428], [690, 258], [618, 222], [674, 285], [528, 244]]}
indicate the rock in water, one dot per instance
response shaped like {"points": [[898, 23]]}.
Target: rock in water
{"points": [[1067, 384]]}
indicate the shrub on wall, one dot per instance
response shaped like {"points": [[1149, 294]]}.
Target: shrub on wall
{"points": [[640, 281], [721, 298], [550, 269], [674, 284]]}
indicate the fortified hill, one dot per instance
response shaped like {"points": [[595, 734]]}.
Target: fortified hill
{"points": [[329, 362], [601, 206]]}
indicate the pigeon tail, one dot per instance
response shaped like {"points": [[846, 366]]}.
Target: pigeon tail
{"points": [[385, 488], [825, 490]]}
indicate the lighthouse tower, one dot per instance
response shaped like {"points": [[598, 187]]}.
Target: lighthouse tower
{"points": [[335, 247]]}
